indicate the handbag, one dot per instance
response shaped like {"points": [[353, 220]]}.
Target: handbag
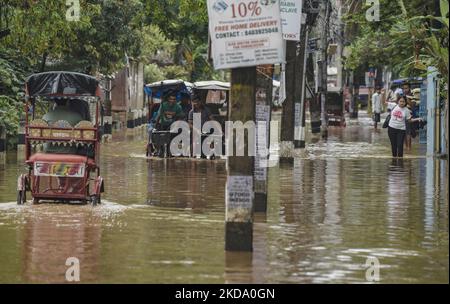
{"points": [[388, 118], [386, 121]]}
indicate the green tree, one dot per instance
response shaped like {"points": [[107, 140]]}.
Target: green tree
{"points": [[185, 22], [404, 38]]}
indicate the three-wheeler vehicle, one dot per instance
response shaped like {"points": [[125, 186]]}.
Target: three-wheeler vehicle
{"points": [[61, 139], [335, 108], [215, 95], [159, 140]]}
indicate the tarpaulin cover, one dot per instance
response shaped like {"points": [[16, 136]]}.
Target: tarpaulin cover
{"points": [[61, 83], [212, 85], [161, 88]]}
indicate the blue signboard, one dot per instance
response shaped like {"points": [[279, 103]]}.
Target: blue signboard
{"points": [[423, 111]]}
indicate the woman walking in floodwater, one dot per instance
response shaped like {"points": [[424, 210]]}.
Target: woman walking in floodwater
{"points": [[400, 115]]}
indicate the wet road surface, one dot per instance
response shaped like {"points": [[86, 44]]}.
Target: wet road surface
{"points": [[162, 221]]}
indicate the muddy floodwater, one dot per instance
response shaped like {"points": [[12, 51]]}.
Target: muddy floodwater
{"points": [[162, 221]]}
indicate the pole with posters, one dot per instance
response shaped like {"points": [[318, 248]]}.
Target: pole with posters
{"points": [[244, 34], [287, 116], [324, 23], [291, 15], [264, 85], [239, 194], [299, 134]]}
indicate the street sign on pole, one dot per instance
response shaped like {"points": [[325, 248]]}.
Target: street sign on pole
{"points": [[312, 45], [291, 16]]}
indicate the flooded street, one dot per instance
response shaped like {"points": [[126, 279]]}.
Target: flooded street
{"points": [[162, 221]]}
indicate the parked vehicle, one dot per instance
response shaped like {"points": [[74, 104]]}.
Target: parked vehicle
{"points": [[335, 108]]}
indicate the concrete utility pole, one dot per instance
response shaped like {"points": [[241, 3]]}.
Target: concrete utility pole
{"points": [[312, 9], [21, 138], [264, 85], [356, 77], [287, 118], [292, 125], [239, 196], [107, 118], [299, 113], [323, 75], [314, 103]]}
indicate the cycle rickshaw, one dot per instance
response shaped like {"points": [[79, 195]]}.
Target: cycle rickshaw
{"points": [[62, 146], [159, 140], [215, 95]]}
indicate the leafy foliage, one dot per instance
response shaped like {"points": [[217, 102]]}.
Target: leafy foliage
{"points": [[153, 73], [405, 39], [12, 75], [170, 37]]}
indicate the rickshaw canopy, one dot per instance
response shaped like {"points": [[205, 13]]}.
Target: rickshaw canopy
{"points": [[212, 85], [61, 84], [160, 88], [412, 81]]}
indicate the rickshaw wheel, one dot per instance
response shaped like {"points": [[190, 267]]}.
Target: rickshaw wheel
{"points": [[96, 200], [35, 201]]}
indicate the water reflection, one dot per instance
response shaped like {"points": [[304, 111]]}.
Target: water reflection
{"points": [[162, 221], [185, 183], [50, 237]]}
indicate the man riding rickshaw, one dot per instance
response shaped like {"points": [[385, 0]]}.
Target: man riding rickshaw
{"points": [[171, 98]]}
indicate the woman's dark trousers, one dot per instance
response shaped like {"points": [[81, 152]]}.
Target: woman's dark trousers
{"points": [[397, 137]]}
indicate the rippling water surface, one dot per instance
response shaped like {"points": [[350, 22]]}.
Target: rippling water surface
{"points": [[162, 221]]}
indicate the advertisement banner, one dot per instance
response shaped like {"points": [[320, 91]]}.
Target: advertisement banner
{"points": [[245, 33], [59, 169], [291, 16]]}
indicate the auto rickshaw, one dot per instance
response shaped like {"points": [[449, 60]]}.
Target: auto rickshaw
{"points": [[61, 139], [335, 108]]}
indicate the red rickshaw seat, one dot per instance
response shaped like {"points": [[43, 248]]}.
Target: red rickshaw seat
{"points": [[66, 158]]}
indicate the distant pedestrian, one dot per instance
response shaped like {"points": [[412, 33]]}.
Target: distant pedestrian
{"points": [[400, 115], [376, 106]]}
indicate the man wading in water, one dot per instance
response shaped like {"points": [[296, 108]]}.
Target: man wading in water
{"points": [[376, 106]]}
